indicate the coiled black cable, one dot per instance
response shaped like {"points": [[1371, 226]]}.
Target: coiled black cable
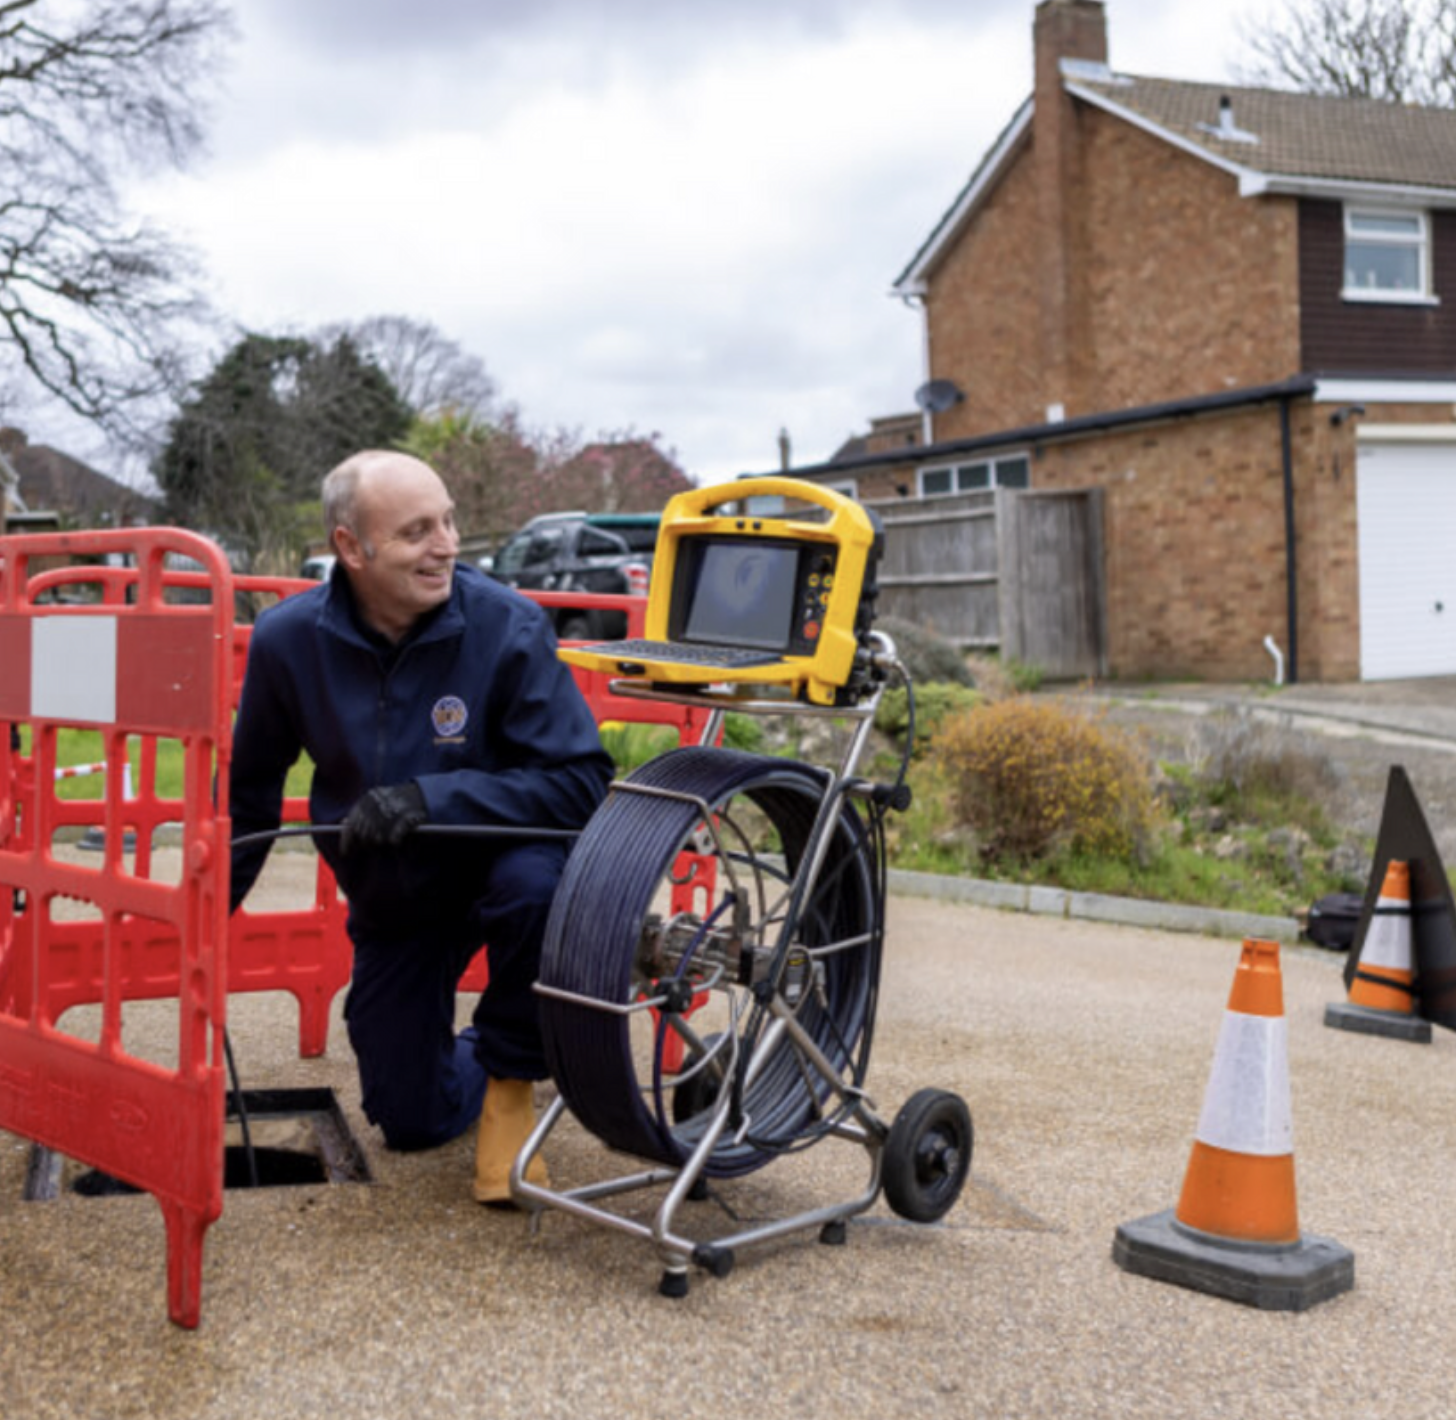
{"points": [[623, 858]]}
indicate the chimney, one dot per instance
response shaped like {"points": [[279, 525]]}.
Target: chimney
{"points": [[1062, 29]]}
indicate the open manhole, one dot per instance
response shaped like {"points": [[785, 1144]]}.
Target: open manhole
{"points": [[293, 1137]]}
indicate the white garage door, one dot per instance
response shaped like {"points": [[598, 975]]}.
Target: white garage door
{"points": [[1407, 512]]}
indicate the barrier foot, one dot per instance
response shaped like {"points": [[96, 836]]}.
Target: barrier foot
{"points": [[1285, 1278], [313, 1023], [185, 1231]]}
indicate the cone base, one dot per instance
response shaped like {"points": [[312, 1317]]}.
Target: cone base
{"points": [[1286, 1278], [1343, 1015]]}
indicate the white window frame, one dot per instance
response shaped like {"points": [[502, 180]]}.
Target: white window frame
{"points": [[961, 468], [1419, 240]]}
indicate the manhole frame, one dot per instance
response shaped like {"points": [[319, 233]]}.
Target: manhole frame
{"points": [[341, 1156]]}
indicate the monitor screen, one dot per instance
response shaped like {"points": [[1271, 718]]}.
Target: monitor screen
{"points": [[743, 593]]}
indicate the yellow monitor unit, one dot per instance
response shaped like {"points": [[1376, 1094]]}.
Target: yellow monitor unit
{"points": [[772, 601]]}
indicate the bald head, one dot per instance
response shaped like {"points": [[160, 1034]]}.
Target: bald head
{"points": [[352, 487], [392, 523]]}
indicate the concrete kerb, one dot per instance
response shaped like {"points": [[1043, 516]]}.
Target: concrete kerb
{"points": [[1095, 907]]}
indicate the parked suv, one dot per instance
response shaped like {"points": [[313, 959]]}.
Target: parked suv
{"points": [[582, 552]]}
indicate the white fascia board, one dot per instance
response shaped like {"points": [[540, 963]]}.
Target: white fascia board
{"points": [[913, 282], [1377, 391], [1391, 194]]}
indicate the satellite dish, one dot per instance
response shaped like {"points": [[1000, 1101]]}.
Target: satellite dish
{"points": [[936, 396]]}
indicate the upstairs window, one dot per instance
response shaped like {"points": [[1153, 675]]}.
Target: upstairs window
{"points": [[1009, 471], [1387, 255]]}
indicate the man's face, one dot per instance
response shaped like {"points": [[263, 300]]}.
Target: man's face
{"points": [[403, 559]]}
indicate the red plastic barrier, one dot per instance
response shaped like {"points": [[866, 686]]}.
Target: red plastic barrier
{"points": [[147, 667], [132, 653], [303, 951]]}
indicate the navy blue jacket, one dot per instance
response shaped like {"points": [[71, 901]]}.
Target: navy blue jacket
{"points": [[473, 706]]}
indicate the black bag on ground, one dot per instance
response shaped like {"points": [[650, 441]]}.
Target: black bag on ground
{"points": [[1333, 919]]}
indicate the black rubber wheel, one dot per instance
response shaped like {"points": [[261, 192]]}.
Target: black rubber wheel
{"points": [[576, 628], [928, 1155]]}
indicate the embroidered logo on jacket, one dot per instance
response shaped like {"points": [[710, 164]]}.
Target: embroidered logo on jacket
{"points": [[448, 717]]}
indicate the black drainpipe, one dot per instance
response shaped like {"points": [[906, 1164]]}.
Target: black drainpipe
{"points": [[1291, 596]]}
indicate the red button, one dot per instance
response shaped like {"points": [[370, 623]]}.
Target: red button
{"points": [[811, 630]]}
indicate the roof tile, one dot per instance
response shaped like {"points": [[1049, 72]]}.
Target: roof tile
{"points": [[1299, 135]]}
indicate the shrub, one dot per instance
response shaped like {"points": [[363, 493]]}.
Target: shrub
{"points": [[631, 744], [934, 702], [743, 732], [1034, 777], [1263, 772], [999, 679], [926, 656]]}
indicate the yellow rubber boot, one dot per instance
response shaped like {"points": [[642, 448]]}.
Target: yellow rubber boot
{"points": [[506, 1121]]}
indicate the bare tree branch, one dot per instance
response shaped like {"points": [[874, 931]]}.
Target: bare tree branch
{"points": [[1402, 51], [96, 304], [432, 373]]}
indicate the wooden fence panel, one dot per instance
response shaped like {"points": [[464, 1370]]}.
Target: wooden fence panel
{"points": [[1014, 571], [940, 566]]}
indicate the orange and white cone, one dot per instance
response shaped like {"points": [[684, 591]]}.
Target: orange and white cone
{"points": [[1240, 1178], [1382, 996], [1235, 1232]]}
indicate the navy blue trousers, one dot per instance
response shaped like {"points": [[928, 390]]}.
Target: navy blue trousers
{"points": [[422, 1084]]}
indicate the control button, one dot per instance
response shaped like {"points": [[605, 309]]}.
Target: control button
{"points": [[811, 630]]}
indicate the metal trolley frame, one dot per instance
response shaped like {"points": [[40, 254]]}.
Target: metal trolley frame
{"points": [[722, 889]]}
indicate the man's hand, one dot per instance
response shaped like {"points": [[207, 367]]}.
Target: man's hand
{"points": [[384, 817]]}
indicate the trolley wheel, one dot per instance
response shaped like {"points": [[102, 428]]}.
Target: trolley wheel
{"points": [[928, 1155]]}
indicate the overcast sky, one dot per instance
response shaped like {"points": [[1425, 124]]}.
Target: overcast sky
{"points": [[678, 217]]}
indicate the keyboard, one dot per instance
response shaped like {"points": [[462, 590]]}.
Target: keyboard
{"points": [[679, 653]]}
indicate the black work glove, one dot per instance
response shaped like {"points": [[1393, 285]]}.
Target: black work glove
{"points": [[384, 817]]}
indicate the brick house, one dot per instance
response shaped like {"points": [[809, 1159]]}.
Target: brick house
{"points": [[51, 488], [1234, 312]]}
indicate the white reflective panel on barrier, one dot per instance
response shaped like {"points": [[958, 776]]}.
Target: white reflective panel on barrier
{"points": [[73, 669]]}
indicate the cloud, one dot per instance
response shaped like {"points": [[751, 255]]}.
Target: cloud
{"points": [[680, 218], [436, 26]]}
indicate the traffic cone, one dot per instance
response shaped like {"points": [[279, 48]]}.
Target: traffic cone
{"points": [[1235, 1232], [1383, 989]]}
